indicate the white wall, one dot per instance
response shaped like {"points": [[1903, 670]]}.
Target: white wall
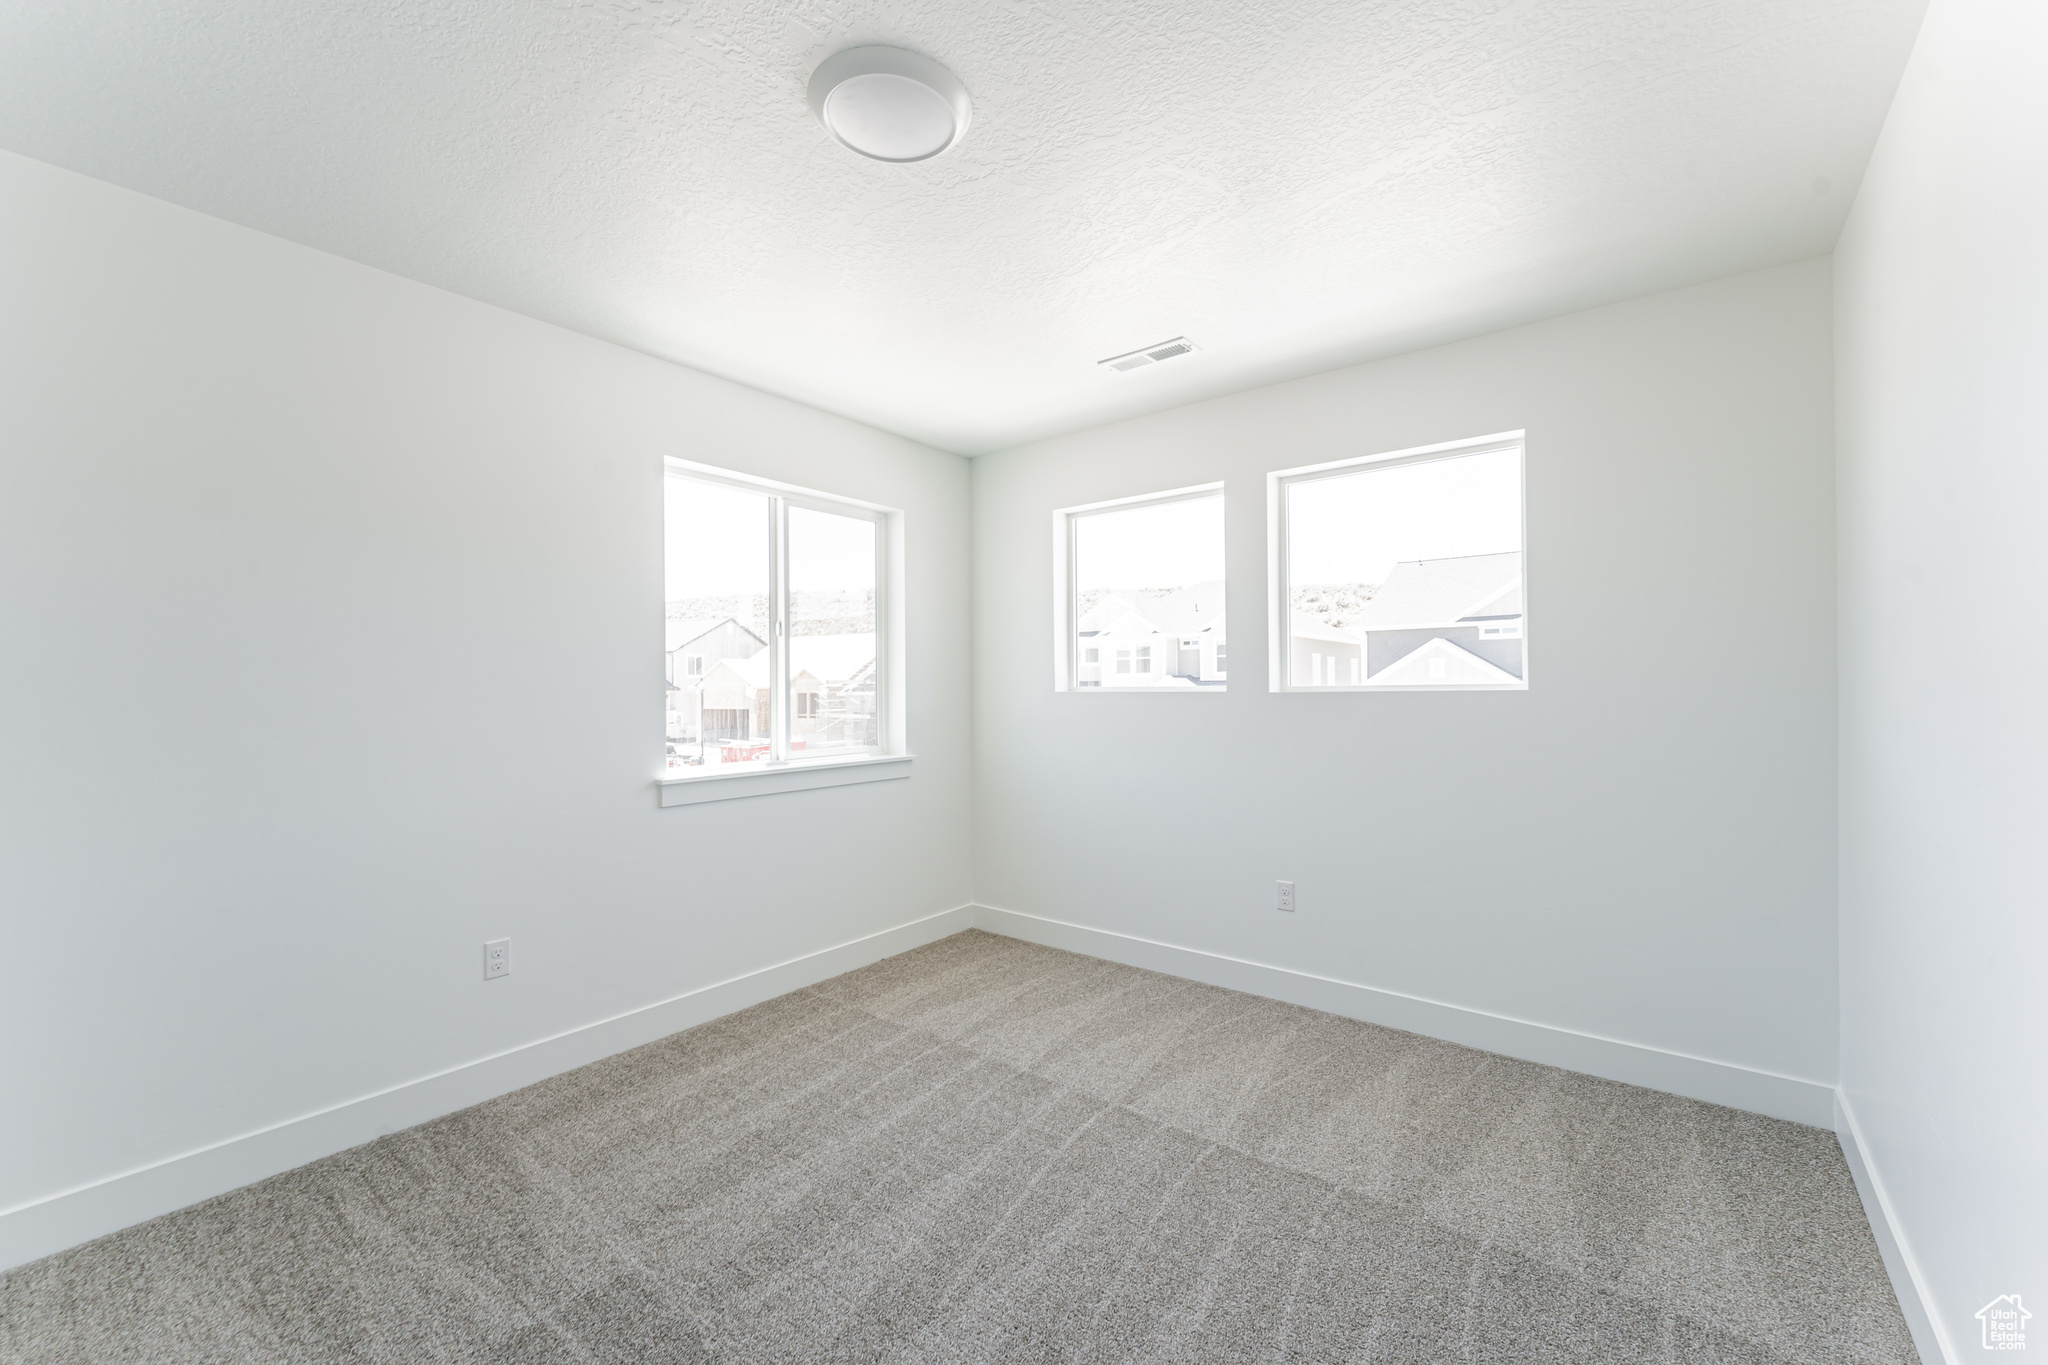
{"points": [[1943, 392], [1640, 847], [332, 647]]}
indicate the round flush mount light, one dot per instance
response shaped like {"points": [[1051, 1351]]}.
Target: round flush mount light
{"points": [[889, 104]]}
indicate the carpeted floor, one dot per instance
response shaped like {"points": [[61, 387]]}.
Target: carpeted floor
{"points": [[987, 1150]]}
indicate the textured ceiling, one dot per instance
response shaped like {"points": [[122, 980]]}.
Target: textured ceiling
{"points": [[1293, 184]]}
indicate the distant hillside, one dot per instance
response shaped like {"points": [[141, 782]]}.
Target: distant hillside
{"points": [[812, 611], [1137, 597], [1334, 604]]}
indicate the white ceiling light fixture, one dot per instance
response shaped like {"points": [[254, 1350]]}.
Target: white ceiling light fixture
{"points": [[889, 104]]}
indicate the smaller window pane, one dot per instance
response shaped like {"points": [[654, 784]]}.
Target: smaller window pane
{"points": [[1148, 585], [717, 549], [832, 658], [1408, 575]]}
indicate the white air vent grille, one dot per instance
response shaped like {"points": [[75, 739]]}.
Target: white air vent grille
{"points": [[1149, 355]]}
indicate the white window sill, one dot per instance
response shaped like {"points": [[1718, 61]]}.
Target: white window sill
{"points": [[761, 780]]}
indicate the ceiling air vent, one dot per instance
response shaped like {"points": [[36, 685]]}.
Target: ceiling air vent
{"points": [[1149, 355]]}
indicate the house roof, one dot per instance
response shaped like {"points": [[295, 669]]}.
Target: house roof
{"points": [[693, 629], [825, 658], [1186, 611], [754, 672], [1194, 610], [1508, 603], [1437, 592], [1105, 611], [1115, 616]]}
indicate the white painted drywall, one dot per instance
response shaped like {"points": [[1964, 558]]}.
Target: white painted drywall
{"points": [[332, 648], [1943, 390], [1640, 846]]}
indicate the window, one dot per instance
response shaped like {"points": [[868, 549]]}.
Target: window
{"points": [[1401, 571], [775, 602], [1143, 579]]}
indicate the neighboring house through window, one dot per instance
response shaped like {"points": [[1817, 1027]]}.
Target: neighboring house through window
{"points": [[1402, 571], [1143, 578], [776, 623]]}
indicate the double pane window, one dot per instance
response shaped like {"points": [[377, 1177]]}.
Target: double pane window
{"points": [[1395, 572], [775, 639]]}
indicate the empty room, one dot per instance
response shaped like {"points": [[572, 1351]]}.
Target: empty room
{"points": [[719, 681]]}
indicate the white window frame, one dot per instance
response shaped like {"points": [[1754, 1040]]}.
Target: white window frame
{"points": [[1066, 644], [1280, 592], [783, 770]]}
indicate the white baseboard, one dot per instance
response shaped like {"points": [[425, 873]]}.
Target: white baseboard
{"points": [[1930, 1338], [67, 1218], [50, 1224], [1676, 1073]]}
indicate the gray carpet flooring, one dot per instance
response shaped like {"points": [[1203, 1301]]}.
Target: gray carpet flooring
{"points": [[988, 1150]]}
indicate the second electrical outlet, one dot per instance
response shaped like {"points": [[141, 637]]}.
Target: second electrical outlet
{"points": [[1287, 896]]}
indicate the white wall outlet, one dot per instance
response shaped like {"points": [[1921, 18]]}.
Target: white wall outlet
{"points": [[1287, 897], [497, 958]]}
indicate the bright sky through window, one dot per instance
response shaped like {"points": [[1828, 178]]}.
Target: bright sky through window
{"points": [[830, 553], [716, 534], [1161, 545], [1354, 528]]}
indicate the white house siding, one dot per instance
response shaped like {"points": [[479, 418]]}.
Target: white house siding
{"points": [[1160, 626], [1323, 655], [710, 641]]}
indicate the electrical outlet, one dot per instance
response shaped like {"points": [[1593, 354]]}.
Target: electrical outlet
{"points": [[1287, 897], [497, 958]]}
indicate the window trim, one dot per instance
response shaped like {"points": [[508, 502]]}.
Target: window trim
{"points": [[759, 780], [1280, 592], [1066, 647], [889, 757]]}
